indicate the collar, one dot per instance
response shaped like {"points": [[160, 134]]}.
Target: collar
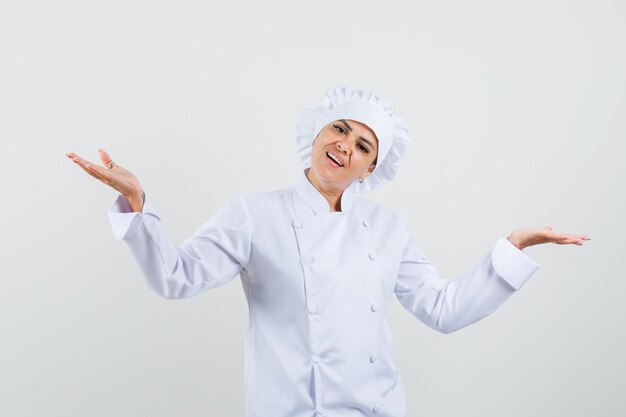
{"points": [[315, 200]]}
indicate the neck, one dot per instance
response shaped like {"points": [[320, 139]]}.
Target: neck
{"points": [[334, 200], [332, 196]]}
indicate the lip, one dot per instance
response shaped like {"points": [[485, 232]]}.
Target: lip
{"points": [[331, 162]]}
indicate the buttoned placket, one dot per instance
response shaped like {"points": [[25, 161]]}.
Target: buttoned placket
{"points": [[306, 261], [377, 407], [318, 206]]}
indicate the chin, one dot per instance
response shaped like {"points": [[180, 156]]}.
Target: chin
{"points": [[331, 179], [332, 182]]}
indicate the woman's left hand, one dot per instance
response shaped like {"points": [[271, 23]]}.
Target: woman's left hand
{"points": [[523, 238]]}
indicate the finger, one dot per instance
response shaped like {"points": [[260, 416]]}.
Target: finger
{"points": [[573, 236], [556, 236], [82, 163], [106, 159], [583, 239], [93, 174], [565, 239], [106, 176], [101, 173]]}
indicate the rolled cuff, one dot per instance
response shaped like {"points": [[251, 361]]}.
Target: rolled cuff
{"points": [[512, 264], [121, 215]]}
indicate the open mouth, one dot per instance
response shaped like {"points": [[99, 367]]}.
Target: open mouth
{"points": [[334, 158]]}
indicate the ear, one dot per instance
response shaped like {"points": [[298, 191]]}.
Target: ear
{"points": [[369, 171]]}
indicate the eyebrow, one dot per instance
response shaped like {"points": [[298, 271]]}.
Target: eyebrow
{"points": [[361, 137]]}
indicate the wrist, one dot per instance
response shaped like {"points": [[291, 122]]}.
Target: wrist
{"points": [[515, 241], [136, 201]]}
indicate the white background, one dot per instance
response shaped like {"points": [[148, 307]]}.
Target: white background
{"points": [[517, 112]]}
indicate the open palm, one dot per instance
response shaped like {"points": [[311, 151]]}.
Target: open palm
{"points": [[116, 177]]}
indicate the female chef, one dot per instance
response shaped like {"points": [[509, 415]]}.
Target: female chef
{"points": [[319, 266]]}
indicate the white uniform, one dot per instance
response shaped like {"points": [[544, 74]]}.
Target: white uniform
{"points": [[318, 284]]}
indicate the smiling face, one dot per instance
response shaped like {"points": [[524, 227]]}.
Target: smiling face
{"points": [[343, 151]]}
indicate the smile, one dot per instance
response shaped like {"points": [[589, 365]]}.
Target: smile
{"points": [[334, 158]]}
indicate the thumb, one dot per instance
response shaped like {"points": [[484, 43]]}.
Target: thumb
{"points": [[106, 159]]}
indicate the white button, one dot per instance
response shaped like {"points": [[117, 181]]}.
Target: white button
{"points": [[372, 256], [377, 408], [307, 260], [316, 359], [364, 222], [373, 358], [374, 307], [312, 309], [297, 224]]}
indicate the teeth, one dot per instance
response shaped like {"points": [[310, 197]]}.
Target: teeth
{"points": [[334, 158]]}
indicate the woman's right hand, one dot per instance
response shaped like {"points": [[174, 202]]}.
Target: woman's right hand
{"points": [[117, 177]]}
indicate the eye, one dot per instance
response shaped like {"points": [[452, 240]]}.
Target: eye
{"points": [[363, 148], [339, 128]]}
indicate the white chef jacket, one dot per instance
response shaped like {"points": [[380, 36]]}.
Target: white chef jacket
{"points": [[318, 284]]}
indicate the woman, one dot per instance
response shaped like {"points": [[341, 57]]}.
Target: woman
{"points": [[319, 266]]}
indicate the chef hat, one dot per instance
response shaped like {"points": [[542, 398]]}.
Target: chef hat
{"points": [[343, 102]]}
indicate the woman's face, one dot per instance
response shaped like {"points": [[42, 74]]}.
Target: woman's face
{"points": [[342, 152]]}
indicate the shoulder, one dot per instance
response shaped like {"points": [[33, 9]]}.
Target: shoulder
{"points": [[377, 212], [267, 205], [266, 198]]}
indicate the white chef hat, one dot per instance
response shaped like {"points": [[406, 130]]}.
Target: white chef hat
{"points": [[343, 102]]}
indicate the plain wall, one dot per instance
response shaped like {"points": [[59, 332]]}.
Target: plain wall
{"points": [[517, 112]]}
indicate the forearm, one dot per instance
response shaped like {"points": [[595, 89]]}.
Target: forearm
{"points": [[449, 305], [209, 258]]}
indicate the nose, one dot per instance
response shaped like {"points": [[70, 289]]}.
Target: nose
{"points": [[343, 146]]}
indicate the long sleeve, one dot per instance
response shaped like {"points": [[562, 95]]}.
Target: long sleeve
{"points": [[211, 257], [449, 305]]}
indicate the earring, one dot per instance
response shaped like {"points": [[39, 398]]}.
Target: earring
{"points": [[360, 179]]}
